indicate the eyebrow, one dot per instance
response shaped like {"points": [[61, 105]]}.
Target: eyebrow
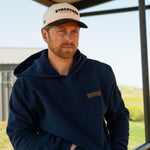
{"points": [[74, 28]]}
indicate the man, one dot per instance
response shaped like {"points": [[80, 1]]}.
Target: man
{"points": [[63, 100]]}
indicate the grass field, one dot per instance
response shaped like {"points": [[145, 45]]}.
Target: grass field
{"points": [[137, 135], [4, 141], [132, 97]]}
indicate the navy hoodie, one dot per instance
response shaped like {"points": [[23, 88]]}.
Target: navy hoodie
{"points": [[49, 111]]}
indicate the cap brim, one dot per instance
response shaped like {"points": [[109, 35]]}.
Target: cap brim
{"points": [[62, 21]]}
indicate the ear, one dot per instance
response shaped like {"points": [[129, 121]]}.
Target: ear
{"points": [[44, 35]]}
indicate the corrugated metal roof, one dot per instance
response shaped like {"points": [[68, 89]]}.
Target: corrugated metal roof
{"points": [[16, 55]]}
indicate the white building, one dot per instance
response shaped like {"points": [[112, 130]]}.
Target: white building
{"points": [[9, 59]]}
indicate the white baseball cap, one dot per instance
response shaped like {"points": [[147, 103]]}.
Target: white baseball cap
{"points": [[62, 13]]}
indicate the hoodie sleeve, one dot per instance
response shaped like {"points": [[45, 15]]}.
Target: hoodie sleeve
{"points": [[117, 118], [22, 126]]}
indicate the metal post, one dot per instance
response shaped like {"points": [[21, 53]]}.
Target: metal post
{"points": [[144, 57]]}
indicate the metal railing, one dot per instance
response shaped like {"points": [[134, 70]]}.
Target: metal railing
{"points": [[145, 146]]}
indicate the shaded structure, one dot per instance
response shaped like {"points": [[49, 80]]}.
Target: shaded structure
{"points": [[82, 4], [9, 59]]}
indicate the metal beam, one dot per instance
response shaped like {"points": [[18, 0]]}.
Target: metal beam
{"points": [[145, 74], [112, 11], [79, 4], [145, 146], [89, 3], [45, 2]]}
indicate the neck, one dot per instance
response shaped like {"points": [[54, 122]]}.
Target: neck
{"points": [[61, 65]]}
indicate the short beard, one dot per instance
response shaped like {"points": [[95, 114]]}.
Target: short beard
{"points": [[59, 52]]}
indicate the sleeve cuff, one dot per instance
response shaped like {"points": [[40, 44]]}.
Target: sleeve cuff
{"points": [[78, 148], [65, 145]]}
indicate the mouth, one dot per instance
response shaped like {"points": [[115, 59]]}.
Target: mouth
{"points": [[68, 47]]}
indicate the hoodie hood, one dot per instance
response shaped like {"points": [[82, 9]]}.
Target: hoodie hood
{"points": [[37, 65]]}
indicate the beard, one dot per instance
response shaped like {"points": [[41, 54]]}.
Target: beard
{"points": [[61, 50]]}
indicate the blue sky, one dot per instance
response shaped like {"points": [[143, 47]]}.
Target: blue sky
{"points": [[113, 39]]}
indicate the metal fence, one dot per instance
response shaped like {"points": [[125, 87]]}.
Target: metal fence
{"points": [[7, 80]]}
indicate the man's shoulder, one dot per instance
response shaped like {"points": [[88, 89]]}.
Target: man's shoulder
{"points": [[99, 64], [101, 68]]}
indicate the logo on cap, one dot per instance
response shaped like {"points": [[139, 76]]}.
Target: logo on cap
{"points": [[66, 10]]}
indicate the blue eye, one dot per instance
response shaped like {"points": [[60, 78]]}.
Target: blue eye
{"points": [[75, 31], [61, 31]]}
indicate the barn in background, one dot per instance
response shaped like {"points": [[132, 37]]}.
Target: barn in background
{"points": [[9, 59]]}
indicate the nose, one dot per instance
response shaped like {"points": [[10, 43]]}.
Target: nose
{"points": [[69, 37]]}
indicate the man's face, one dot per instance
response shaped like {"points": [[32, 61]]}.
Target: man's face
{"points": [[63, 39]]}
